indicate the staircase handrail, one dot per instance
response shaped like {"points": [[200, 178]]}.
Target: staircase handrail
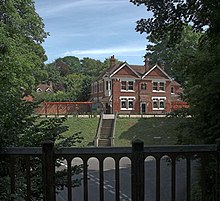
{"points": [[97, 137], [112, 137]]}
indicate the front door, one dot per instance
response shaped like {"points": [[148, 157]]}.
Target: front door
{"points": [[143, 108], [107, 108]]}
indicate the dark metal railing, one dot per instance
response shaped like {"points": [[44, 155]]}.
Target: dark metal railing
{"points": [[137, 154]]}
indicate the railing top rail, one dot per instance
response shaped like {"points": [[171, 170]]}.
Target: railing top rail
{"points": [[112, 150], [180, 148], [21, 151]]}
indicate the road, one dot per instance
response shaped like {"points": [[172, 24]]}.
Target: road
{"points": [[125, 180]]}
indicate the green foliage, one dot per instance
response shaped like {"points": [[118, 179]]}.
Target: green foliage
{"points": [[178, 58], [77, 87], [202, 69], [21, 33], [21, 67], [72, 77]]}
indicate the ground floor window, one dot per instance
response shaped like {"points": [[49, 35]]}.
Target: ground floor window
{"points": [[127, 103], [158, 103]]}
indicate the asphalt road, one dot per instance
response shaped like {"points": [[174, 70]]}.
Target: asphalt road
{"points": [[125, 181]]}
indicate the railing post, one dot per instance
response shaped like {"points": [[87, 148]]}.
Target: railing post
{"points": [[48, 171], [137, 170], [218, 171]]}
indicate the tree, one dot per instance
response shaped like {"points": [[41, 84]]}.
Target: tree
{"points": [[21, 65], [21, 35], [76, 85], [178, 58], [168, 21], [92, 67], [74, 64], [203, 72]]}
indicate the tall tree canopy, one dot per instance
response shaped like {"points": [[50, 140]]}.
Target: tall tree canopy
{"points": [[21, 53], [203, 71]]}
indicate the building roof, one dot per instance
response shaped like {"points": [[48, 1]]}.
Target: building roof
{"points": [[44, 87]]}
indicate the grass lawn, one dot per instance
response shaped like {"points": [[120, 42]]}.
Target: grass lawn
{"points": [[87, 127], [151, 130]]}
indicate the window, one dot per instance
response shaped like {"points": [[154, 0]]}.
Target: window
{"points": [[123, 103], [130, 85], [172, 90], [143, 86], [106, 85], [131, 103], [155, 103], [127, 85], [154, 86], [159, 86], [123, 85], [127, 103], [158, 103]]}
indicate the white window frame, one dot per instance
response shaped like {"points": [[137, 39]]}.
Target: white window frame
{"points": [[128, 100], [127, 86], [123, 86], [159, 101], [158, 86]]}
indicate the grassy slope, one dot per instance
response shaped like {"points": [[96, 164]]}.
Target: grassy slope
{"points": [[87, 127], [128, 129], [146, 129]]}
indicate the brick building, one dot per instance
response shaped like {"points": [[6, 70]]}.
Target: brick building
{"points": [[134, 89]]}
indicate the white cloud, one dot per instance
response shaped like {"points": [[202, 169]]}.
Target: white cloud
{"points": [[57, 8], [128, 50]]}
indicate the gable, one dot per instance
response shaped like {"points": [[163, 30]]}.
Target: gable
{"points": [[157, 73], [125, 71]]}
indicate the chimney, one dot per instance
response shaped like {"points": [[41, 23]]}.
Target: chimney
{"points": [[162, 65], [146, 64], [112, 61]]}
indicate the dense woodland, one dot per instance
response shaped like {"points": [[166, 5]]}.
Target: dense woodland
{"points": [[185, 35], [71, 78]]}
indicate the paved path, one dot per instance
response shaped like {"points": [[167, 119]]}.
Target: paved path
{"points": [[125, 181]]}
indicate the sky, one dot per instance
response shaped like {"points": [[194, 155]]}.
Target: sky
{"points": [[93, 28]]}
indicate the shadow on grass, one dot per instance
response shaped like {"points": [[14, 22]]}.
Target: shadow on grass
{"points": [[150, 130]]}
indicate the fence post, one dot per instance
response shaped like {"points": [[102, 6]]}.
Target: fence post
{"points": [[218, 171], [137, 170], [48, 170]]}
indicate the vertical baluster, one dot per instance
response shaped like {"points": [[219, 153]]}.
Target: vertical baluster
{"points": [[101, 180], [69, 179], [28, 177], [12, 176], [203, 177], [173, 179], [117, 180], [217, 196], [85, 179], [157, 178], [188, 178], [137, 170]]}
